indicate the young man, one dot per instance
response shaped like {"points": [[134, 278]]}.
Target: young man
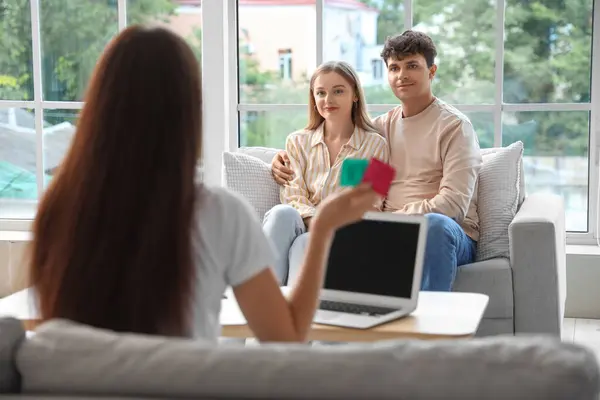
{"points": [[436, 155]]}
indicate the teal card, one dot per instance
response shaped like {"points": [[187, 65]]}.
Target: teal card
{"points": [[353, 170]]}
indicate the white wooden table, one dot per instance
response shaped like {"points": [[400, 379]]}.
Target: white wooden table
{"points": [[439, 315]]}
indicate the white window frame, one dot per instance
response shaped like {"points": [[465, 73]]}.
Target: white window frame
{"points": [[221, 107], [285, 64], [39, 106], [377, 69], [214, 12], [590, 237]]}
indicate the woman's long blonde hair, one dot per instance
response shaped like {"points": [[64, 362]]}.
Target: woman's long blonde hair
{"points": [[360, 117]]}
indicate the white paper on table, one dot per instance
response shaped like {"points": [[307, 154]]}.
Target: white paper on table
{"points": [[230, 311]]}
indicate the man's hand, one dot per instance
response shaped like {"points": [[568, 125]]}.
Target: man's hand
{"points": [[280, 172]]}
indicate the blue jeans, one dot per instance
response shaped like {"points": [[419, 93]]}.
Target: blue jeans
{"points": [[447, 248], [285, 229]]}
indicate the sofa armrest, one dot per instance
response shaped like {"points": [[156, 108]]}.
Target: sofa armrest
{"points": [[538, 259]]}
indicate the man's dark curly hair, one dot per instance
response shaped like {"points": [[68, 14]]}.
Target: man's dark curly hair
{"points": [[407, 44]]}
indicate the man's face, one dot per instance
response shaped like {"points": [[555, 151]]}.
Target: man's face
{"points": [[410, 77]]}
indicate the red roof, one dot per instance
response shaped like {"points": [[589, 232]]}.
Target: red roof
{"points": [[344, 3]]}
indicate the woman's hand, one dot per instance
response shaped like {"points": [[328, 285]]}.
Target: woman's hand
{"points": [[270, 315], [344, 208], [279, 170]]}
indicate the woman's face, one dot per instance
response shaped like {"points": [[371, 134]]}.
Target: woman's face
{"points": [[334, 96]]}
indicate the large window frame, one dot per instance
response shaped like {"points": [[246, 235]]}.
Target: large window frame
{"points": [[498, 108], [222, 109], [39, 106], [13, 220]]}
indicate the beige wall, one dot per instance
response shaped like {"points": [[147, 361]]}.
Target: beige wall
{"points": [[12, 266]]}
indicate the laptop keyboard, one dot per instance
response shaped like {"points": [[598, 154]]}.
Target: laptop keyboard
{"points": [[350, 308]]}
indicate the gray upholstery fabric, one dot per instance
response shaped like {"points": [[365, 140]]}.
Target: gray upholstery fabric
{"points": [[538, 259], [495, 326], [11, 337], [491, 277], [85, 397], [97, 362]]}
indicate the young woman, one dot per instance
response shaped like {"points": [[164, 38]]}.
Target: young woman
{"points": [[339, 127], [125, 239]]}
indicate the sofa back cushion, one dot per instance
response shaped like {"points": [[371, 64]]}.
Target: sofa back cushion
{"points": [[500, 193], [12, 335], [488, 152], [265, 154], [66, 358], [250, 176]]}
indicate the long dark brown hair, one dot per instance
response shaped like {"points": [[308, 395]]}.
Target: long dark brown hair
{"points": [[112, 241]]}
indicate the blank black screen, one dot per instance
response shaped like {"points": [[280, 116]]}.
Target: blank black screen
{"points": [[373, 257]]}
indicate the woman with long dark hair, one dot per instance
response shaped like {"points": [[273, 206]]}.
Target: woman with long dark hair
{"points": [[127, 239]]}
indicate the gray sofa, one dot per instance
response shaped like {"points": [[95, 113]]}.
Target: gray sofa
{"points": [[64, 360], [526, 287]]}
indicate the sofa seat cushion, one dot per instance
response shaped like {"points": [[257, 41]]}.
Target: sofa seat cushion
{"points": [[66, 358], [491, 277]]}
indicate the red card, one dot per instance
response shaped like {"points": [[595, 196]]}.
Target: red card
{"points": [[380, 175]]}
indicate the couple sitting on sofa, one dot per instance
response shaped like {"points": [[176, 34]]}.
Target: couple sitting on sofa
{"points": [[127, 203], [431, 144]]}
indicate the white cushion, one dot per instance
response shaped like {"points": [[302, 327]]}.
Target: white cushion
{"points": [[264, 153], [251, 177], [499, 195], [493, 150]]}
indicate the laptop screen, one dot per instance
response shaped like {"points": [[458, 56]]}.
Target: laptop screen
{"points": [[373, 257]]}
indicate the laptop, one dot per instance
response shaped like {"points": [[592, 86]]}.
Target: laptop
{"points": [[374, 271]]}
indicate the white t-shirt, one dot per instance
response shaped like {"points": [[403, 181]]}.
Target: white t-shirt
{"points": [[229, 248]]}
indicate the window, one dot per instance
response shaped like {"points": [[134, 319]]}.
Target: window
{"points": [[266, 75], [41, 88], [523, 71], [352, 31], [285, 64], [520, 72], [377, 68]]}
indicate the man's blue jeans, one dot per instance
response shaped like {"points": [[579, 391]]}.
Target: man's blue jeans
{"points": [[447, 248]]}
